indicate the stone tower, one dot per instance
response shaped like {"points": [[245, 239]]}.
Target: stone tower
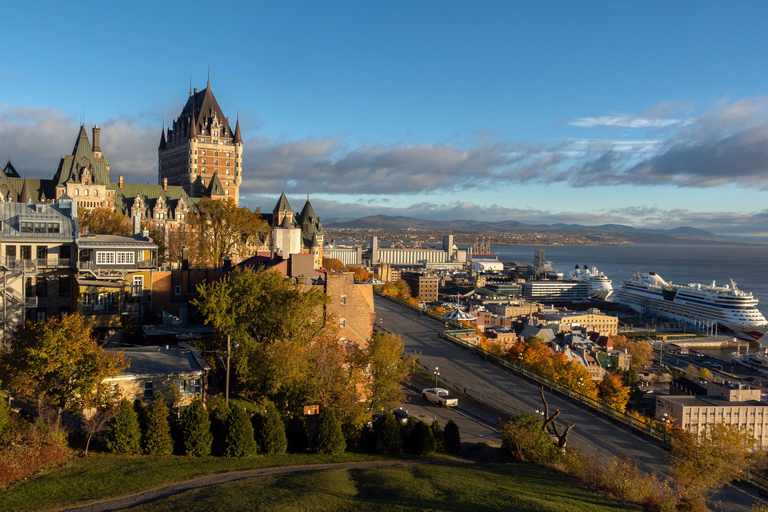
{"points": [[199, 146]]}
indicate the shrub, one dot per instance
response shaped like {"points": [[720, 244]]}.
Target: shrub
{"points": [[296, 434], [422, 441], [451, 437], [389, 441], [123, 434], [525, 439], [239, 441], [157, 440], [5, 419], [330, 438], [269, 431], [196, 429], [219, 415], [437, 433], [29, 452]]}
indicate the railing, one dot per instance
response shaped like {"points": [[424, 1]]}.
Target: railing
{"points": [[93, 266]]}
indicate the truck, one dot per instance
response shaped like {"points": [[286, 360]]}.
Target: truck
{"points": [[439, 396]]}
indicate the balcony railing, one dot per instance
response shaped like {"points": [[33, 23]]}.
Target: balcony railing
{"points": [[92, 265], [32, 264]]}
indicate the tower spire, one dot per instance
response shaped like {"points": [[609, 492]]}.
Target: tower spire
{"points": [[190, 86], [208, 86]]}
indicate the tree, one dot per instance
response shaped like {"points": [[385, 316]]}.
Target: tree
{"points": [[97, 423], [196, 430], [641, 352], [452, 437], [389, 367], [388, 438], [437, 432], [333, 265], [524, 438], [270, 434], [240, 441], [336, 376], [104, 221], [721, 454], [59, 362], [222, 228], [158, 440], [360, 274], [612, 393], [422, 441], [274, 321], [123, 434], [330, 438], [296, 434], [219, 413]]}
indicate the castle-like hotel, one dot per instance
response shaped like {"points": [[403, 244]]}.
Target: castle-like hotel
{"points": [[199, 156]]}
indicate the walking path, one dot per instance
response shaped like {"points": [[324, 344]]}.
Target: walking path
{"points": [[167, 491]]}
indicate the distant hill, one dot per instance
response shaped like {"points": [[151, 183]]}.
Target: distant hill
{"points": [[400, 222]]}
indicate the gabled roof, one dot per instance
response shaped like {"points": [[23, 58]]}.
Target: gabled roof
{"points": [[202, 106], [282, 205], [82, 156], [214, 187], [125, 197], [10, 171]]}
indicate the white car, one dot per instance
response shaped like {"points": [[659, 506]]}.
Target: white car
{"points": [[439, 396]]}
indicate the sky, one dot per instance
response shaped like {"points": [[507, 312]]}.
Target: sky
{"points": [[650, 114]]}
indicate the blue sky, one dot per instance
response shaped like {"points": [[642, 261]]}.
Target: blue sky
{"points": [[648, 114]]}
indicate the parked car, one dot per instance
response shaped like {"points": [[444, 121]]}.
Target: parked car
{"points": [[440, 397], [401, 416]]}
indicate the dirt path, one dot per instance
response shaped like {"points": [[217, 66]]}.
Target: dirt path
{"points": [[208, 481]]}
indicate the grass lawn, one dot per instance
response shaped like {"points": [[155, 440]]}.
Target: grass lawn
{"points": [[103, 476], [458, 487]]}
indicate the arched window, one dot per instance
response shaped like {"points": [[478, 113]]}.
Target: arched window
{"points": [[85, 192], [77, 192]]}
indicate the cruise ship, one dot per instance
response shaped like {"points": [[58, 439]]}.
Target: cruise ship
{"points": [[706, 308], [600, 287]]}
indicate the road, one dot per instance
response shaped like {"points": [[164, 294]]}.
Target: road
{"points": [[593, 435]]}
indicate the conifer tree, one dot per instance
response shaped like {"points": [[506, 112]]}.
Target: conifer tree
{"points": [[422, 442], [158, 439], [123, 434], [437, 432], [196, 430], [296, 434], [389, 440], [219, 415], [269, 431], [330, 438], [240, 441], [452, 438]]}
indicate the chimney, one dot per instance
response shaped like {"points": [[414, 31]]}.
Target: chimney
{"points": [[96, 141], [165, 184], [195, 90], [121, 181], [185, 258]]}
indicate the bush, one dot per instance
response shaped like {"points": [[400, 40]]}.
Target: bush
{"points": [[30, 451], [296, 435], [239, 441], [196, 430], [142, 415], [330, 438], [269, 431], [5, 420], [157, 440], [451, 437], [123, 434], [437, 433], [219, 415], [353, 434], [421, 440], [525, 439], [389, 441]]}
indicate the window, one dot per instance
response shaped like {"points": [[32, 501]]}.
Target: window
{"points": [[203, 160], [96, 193], [26, 252], [226, 192], [203, 171], [87, 299], [138, 286], [215, 153], [39, 227], [40, 314], [42, 252], [64, 252], [215, 162], [63, 310], [26, 227], [53, 227], [105, 258], [177, 289], [63, 286], [41, 287], [148, 389], [343, 300], [125, 258], [227, 154], [190, 386], [227, 169], [227, 166], [77, 192], [342, 323], [203, 152], [85, 192]]}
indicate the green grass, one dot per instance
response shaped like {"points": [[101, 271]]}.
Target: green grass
{"points": [[104, 476], [519, 487]]}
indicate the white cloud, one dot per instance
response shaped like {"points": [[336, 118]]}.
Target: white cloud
{"points": [[628, 121]]}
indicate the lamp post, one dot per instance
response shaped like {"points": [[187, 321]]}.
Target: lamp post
{"points": [[665, 419], [581, 389], [437, 374], [229, 356]]}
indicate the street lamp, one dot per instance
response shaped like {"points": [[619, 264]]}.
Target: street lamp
{"points": [[581, 389], [437, 374], [229, 356], [665, 419]]}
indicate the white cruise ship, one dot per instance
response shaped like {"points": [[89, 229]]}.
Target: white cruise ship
{"points": [[704, 307], [600, 287]]}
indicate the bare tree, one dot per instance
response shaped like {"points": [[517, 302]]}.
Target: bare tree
{"points": [[550, 425], [96, 424]]}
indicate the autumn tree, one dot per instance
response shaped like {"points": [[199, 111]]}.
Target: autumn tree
{"points": [[333, 265], [336, 377], [59, 362], [389, 367], [103, 221], [360, 274], [701, 466], [641, 352], [613, 393], [525, 438], [222, 228]]}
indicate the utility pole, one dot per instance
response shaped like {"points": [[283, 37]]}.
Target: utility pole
{"points": [[229, 353]]}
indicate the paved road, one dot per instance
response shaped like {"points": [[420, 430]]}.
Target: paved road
{"points": [[594, 435]]}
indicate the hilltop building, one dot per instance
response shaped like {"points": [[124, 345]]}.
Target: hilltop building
{"points": [[296, 235]]}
